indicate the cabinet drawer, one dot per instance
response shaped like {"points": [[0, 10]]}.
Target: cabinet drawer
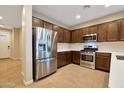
{"points": [[103, 61], [102, 54]]}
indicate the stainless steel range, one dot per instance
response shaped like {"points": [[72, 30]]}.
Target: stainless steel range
{"points": [[87, 58]]}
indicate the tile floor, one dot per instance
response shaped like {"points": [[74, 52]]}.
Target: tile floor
{"points": [[70, 76]]}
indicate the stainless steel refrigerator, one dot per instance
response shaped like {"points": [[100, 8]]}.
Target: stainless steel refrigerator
{"points": [[44, 52]]}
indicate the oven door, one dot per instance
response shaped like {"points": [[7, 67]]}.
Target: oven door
{"points": [[87, 58]]}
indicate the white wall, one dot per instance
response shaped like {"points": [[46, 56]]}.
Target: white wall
{"points": [[27, 43], [15, 52], [20, 44], [9, 34], [108, 18]]}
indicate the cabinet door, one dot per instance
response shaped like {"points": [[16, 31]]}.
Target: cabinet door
{"points": [[77, 36], [76, 57], [102, 32], [122, 29], [74, 36], [66, 36], [92, 29], [103, 62], [60, 33], [80, 33], [47, 25], [37, 22], [68, 57], [85, 31], [61, 59], [113, 31]]}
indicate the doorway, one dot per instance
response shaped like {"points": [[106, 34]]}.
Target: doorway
{"points": [[5, 44]]}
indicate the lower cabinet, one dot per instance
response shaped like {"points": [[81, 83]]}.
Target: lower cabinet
{"points": [[76, 57], [64, 58], [103, 61]]}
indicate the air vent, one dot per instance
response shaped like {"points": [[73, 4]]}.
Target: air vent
{"points": [[87, 6]]}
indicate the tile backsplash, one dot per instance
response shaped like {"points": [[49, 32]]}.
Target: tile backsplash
{"points": [[102, 46], [69, 46], [111, 46]]}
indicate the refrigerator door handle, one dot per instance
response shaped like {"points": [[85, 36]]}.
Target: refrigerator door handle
{"points": [[46, 60]]}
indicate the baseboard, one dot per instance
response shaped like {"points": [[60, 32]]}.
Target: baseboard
{"points": [[28, 82], [15, 58]]}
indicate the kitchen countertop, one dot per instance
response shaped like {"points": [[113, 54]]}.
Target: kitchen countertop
{"points": [[67, 50]]}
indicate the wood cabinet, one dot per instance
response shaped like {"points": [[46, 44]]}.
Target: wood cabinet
{"points": [[63, 58], [67, 36], [103, 61], [121, 30], [92, 29], [76, 57], [37, 22], [89, 30], [47, 25], [113, 31], [77, 36], [85, 31], [60, 33], [68, 57], [64, 35], [74, 36], [102, 32]]}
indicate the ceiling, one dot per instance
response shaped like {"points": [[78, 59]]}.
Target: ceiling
{"points": [[66, 14], [11, 16]]}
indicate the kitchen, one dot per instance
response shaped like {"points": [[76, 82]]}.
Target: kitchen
{"points": [[66, 49], [92, 45]]}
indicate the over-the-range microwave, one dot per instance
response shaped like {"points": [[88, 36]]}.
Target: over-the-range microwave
{"points": [[89, 37]]}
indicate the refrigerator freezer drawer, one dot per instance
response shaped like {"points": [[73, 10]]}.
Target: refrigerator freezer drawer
{"points": [[45, 67]]}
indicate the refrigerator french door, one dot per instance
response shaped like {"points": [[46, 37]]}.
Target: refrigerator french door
{"points": [[44, 52]]}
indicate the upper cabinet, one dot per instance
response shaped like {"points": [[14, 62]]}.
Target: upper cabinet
{"points": [[107, 32], [89, 30], [60, 33], [63, 34], [122, 29], [113, 31], [92, 29], [102, 32], [67, 35], [37, 22], [77, 36], [47, 25], [85, 30]]}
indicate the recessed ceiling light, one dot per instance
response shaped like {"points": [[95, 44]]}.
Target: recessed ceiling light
{"points": [[107, 5], [1, 25], [1, 17], [78, 16]]}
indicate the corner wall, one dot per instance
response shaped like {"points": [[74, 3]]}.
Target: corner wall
{"points": [[27, 44]]}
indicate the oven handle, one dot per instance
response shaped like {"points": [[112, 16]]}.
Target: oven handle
{"points": [[88, 54]]}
